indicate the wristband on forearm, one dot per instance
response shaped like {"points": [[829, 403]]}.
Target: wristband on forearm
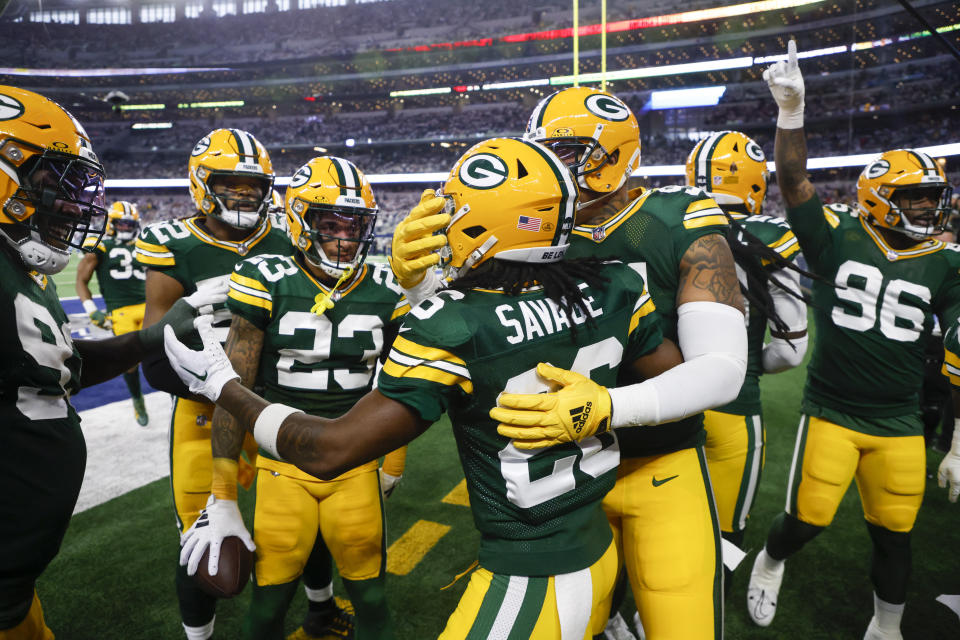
{"points": [[90, 306], [267, 426]]}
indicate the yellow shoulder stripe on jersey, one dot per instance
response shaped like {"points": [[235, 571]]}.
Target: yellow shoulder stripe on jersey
{"points": [[951, 367], [250, 292], [832, 219], [153, 254], [643, 308], [93, 243], [410, 360], [787, 246], [250, 283], [401, 309], [703, 213], [609, 226]]}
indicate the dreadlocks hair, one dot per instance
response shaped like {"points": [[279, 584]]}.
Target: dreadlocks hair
{"points": [[750, 252], [558, 279]]}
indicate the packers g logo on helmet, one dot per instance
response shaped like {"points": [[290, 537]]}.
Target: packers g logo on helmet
{"points": [[607, 107], [904, 174], [51, 182], [731, 167], [330, 202], [230, 153], [594, 133], [526, 216], [483, 171]]}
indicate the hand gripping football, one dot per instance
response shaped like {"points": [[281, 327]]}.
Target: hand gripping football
{"points": [[236, 563]]}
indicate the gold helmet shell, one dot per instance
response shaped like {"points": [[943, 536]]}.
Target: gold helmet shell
{"points": [[732, 168], [51, 182], [123, 221], [510, 199]]}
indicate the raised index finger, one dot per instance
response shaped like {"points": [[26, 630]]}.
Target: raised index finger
{"points": [[792, 54]]}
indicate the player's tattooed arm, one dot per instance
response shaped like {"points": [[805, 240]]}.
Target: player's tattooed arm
{"points": [[324, 448], [790, 155], [243, 347], [707, 273]]}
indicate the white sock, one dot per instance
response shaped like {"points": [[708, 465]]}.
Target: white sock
{"points": [[768, 563], [888, 615], [319, 595], [200, 633]]}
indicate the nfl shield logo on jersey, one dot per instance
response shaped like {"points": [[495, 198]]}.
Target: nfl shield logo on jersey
{"points": [[599, 234]]}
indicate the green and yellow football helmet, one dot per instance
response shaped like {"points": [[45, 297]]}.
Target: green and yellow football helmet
{"points": [[329, 200], [510, 199], [227, 153], [123, 221], [593, 132], [51, 182], [899, 175], [731, 167]]}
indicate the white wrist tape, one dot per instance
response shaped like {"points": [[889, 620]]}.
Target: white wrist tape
{"points": [[713, 339], [89, 306], [791, 309], [792, 119], [267, 426], [427, 287]]}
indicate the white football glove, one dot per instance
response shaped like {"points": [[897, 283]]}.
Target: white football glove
{"points": [[204, 372], [388, 483], [220, 519], [208, 295], [949, 470], [786, 85]]}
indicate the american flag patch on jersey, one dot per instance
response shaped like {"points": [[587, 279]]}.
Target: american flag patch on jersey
{"points": [[528, 224]]}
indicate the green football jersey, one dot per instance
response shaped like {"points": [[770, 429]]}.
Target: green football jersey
{"points": [[538, 511], [651, 234], [39, 364], [874, 323], [319, 363], [121, 278], [185, 251], [776, 234]]}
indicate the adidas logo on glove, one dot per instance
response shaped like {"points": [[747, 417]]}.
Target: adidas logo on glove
{"points": [[580, 415]]}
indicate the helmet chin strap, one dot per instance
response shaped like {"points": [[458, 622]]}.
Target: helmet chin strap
{"points": [[599, 200]]}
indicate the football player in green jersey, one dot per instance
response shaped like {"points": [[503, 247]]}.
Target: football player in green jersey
{"points": [[231, 180], [732, 169], [662, 506], [547, 562], [885, 278], [51, 194], [308, 330], [121, 284]]}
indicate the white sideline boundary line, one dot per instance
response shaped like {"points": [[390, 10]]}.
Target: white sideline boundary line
{"points": [[122, 455]]}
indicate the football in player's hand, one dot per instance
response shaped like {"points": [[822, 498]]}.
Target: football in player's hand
{"points": [[236, 563]]}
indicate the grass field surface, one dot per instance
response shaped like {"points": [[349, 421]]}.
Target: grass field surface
{"points": [[113, 579]]}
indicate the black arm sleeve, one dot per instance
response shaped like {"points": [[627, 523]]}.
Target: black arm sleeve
{"points": [[161, 376]]}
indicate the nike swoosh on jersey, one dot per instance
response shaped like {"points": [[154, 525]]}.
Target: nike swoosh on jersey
{"points": [[657, 483]]}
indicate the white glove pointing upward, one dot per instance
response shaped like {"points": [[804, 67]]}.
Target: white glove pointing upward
{"points": [[204, 372], [786, 85]]}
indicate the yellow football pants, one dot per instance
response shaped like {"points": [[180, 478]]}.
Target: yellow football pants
{"points": [[127, 319], [561, 607], [890, 474], [32, 627], [734, 451], [663, 516], [292, 508]]}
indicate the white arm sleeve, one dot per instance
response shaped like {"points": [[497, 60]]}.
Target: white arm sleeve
{"points": [[713, 339], [778, 354]]}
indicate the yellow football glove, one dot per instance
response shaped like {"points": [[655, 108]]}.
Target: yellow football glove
{"points": [[578, 410], [414, 244]]}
